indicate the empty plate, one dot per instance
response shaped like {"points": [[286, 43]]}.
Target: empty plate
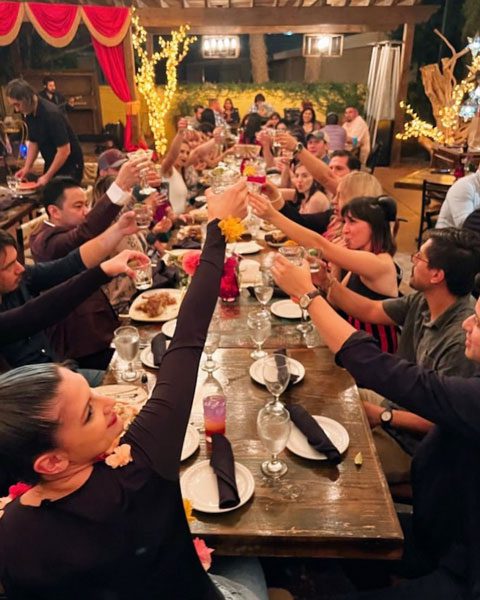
{"points": [[295, 367], [286, 309]]}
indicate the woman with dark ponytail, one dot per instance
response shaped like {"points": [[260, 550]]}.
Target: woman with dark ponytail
{"points": [[363, 260]]}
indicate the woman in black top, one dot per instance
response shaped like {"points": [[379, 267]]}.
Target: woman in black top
{"points": [[445, 469], [94, 532]]}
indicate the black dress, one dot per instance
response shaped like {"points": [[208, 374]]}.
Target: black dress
{"points": [[124, 534]]}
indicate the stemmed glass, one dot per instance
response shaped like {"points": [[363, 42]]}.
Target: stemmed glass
{"points": [[296, 254], [211, 346], [273, 420], [13, 183], [145, 188], [126, 342], [259, 325], [264, 292]]}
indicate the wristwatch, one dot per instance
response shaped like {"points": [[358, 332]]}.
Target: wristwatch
{"points": [[305, 299], [298, 148], [386, 418]]}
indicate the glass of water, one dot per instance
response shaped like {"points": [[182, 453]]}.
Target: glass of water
{"points": [[264, 292], [259, 325], [273, 427], [211, 346], [126, 342]]}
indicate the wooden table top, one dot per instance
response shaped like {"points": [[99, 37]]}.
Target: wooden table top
{"points": [[316, 509], [16, 214], [414, 180]]}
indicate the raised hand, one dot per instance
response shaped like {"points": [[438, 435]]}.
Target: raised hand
{"points": [[126, 224], [233, 202], [130, 172], [119, 264], [293, 280]]}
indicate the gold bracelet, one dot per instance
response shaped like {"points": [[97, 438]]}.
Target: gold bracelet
{"points": [[277, 199]]}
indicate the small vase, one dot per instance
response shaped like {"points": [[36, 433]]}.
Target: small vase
{"points": [[229, 289]]}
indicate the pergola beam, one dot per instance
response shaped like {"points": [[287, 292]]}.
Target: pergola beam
{"points": [[261, 19]]}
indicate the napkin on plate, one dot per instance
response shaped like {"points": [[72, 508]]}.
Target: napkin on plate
{"points": [[281, 359], [159, 347], [187, 244], [223, 464], [317, 438], [165, 277]]}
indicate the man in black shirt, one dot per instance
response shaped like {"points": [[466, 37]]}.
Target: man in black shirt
{"points": [[50, 93], [49, 132]]}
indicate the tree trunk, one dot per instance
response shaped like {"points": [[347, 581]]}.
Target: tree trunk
{"points": [[258, 58], [313, 65]]}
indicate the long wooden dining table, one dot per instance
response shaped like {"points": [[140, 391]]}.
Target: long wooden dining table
{"points": [[316, 509]]}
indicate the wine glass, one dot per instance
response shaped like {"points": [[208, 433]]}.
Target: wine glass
{"points": [[211, 346], [264, 292], [259, 325], [12, 183], [276, 375], [273, 427], [126, 342]]}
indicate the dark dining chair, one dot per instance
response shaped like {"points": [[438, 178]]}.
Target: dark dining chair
{"points": [[433, 195]]}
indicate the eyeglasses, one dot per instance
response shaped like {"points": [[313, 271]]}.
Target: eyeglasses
{"points": [[417, 256]]}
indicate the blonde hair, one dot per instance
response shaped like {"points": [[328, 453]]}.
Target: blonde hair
{"points": [[358, 183]]}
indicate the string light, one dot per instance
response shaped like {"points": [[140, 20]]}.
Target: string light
{"points": [[448, 122], [173, 52]]}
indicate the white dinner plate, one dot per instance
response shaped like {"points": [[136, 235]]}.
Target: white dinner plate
{"points": [[338, 435], [170, 312], [199, 485], [244, 247], [124, 393], [190, 443], [286, 309], [146, 356], [168, 328], [294, 366]]}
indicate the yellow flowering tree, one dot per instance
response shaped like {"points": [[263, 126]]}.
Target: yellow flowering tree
{"points": [[173, 51]]}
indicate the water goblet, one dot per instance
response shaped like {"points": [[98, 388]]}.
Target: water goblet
{"points": [[211, 346], [12, 183], [264, 292], [273, 427], [126, 342], [276, 375], [143, 215], [295, 254], [259, 325]]}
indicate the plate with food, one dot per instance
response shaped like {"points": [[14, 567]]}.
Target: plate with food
{"points": [[27, 188], [276, 238], [156, 305], [191, 232]]}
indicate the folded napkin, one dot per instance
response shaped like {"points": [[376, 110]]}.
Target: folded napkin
{"points": [[281, 360], [315, 435], [187, 244], [223, 464], [165, 277], [159, 346]]}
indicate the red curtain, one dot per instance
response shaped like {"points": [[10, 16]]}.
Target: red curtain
{"points": [[108, 25], [11, 15], [112, 61], [57, 24]]}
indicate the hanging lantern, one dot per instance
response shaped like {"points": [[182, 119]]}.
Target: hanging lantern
{"points": [[220, 46], [322, 45]]}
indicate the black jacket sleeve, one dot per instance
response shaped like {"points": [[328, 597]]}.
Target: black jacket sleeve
{"points": [[43, 276]]}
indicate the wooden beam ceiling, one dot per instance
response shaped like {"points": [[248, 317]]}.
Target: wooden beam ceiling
{"points": [[262, 19]]}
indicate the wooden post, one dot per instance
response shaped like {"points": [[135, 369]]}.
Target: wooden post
{"points": [[313, 66], [258, 58], [407, 47], [130, 68]]}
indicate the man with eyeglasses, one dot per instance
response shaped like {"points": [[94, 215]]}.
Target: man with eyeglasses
{"points": [[443, 273]]}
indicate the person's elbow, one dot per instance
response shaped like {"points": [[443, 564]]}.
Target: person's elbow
{"points": [[64, 151]]}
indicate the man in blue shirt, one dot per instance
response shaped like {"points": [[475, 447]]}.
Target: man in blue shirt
{"points": [[462, 199]]}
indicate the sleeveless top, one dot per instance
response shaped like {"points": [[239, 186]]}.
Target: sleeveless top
{"points": [[386, 335]]}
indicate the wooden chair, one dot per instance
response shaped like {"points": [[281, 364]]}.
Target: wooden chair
{"points": [[433, 195], [374, 157], [23, 236]]}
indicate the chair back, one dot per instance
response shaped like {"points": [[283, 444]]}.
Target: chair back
{"points": [[23, 236], [433, 195], [374, 157]]}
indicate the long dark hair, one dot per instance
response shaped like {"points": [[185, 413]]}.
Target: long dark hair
{"points": [[315, 187], [252, 126], [208, 116], [26, 394], [314, 116], [378, 213]]}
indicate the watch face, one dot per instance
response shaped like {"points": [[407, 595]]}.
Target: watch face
{"points": [[304, 301], [386, 416]]}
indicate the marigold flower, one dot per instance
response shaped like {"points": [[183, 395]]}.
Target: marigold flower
{"points": [[187, 506], [232, 229]]}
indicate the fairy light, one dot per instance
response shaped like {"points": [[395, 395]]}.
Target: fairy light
{"points": [[173, 52], [448, 122]]}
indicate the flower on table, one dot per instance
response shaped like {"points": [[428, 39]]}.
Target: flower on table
{"points": [[232, 229], [188, 508], [121, 456], [204, 553], [190, 261]]}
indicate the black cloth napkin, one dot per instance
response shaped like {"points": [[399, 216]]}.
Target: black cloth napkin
{"points": [[223, 464], [281, 359], [315, 435], [187, 244], [165, 277], [159, 347]]}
